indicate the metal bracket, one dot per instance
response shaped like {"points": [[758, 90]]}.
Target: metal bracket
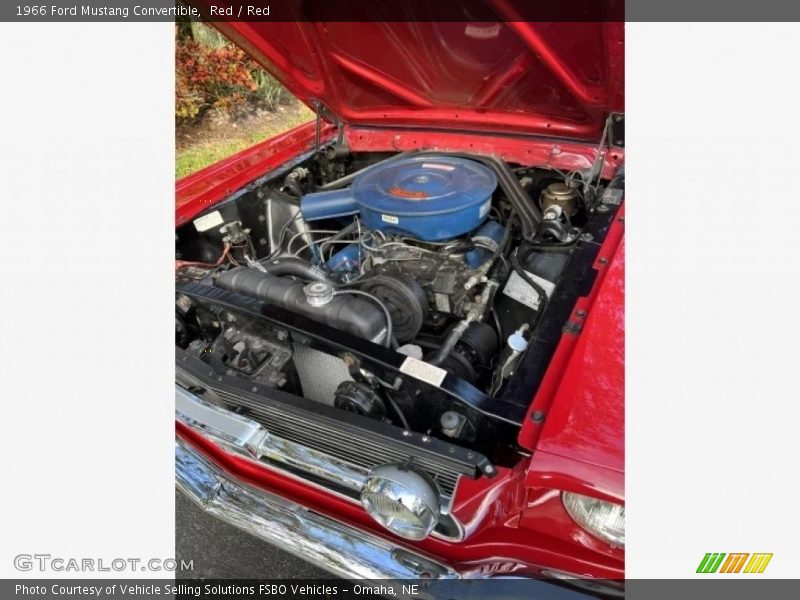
{"points": [[616, 130]]}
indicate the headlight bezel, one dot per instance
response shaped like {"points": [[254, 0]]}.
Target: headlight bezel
{"points": [[588, 513], [408, 489]]}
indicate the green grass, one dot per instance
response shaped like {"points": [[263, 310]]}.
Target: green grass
{"points": [[208, 36], [194, 157]]}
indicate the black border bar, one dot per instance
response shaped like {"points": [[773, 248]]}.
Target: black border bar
{"points": [[397, 10]]}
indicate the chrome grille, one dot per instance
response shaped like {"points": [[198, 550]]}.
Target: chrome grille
{"points": [[363, 454]]}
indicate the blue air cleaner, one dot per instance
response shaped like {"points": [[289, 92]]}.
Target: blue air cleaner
{"points": [[428, 198]]}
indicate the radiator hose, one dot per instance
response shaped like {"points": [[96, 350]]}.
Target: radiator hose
{"points": [[292, 265], [340, 311]]}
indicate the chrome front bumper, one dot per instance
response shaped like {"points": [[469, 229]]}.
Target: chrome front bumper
{"points": [[342, 550]]}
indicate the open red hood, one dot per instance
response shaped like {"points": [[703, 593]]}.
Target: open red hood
{"points": [[499, 74]]}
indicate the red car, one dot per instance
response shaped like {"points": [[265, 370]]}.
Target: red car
{"points": [[399, 330]]}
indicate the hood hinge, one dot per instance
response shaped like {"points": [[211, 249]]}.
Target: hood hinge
{"points": [[613, 136], [321, 110]]}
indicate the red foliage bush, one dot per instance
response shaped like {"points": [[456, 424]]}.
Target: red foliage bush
{"points": [[210, 78]]}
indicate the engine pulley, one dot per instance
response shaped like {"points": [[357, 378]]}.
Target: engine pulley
{"points": [[406, 301]]}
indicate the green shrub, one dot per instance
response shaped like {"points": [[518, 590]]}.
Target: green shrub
{"points": [[210, 72], [269, 93]]}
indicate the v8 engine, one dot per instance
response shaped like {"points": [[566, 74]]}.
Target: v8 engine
{"points": [[428, 243]]}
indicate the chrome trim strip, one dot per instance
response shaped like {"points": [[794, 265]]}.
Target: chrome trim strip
{"points": [[230, 429], [246, 437], [340, 549]]}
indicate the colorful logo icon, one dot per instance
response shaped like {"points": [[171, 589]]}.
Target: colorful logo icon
{"points": [[719, 562]]}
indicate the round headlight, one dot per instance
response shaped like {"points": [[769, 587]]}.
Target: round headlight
{"points": [[401, 500], [604, 520]]}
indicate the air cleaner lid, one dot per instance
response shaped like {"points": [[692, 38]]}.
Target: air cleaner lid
{"points": [[420, 185]]}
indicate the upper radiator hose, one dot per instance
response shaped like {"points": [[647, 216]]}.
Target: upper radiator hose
{"points": [[349, 313], [292, 265]]}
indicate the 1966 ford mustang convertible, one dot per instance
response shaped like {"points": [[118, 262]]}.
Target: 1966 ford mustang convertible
{"points": [[399, 329]]}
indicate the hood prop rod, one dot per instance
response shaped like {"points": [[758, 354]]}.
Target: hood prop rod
{"points": [[321, 110]]}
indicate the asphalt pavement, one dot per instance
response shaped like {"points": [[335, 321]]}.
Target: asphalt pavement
{"points": [[222, 551]]}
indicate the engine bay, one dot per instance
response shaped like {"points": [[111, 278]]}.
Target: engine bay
{"points": [[423, 290]]}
